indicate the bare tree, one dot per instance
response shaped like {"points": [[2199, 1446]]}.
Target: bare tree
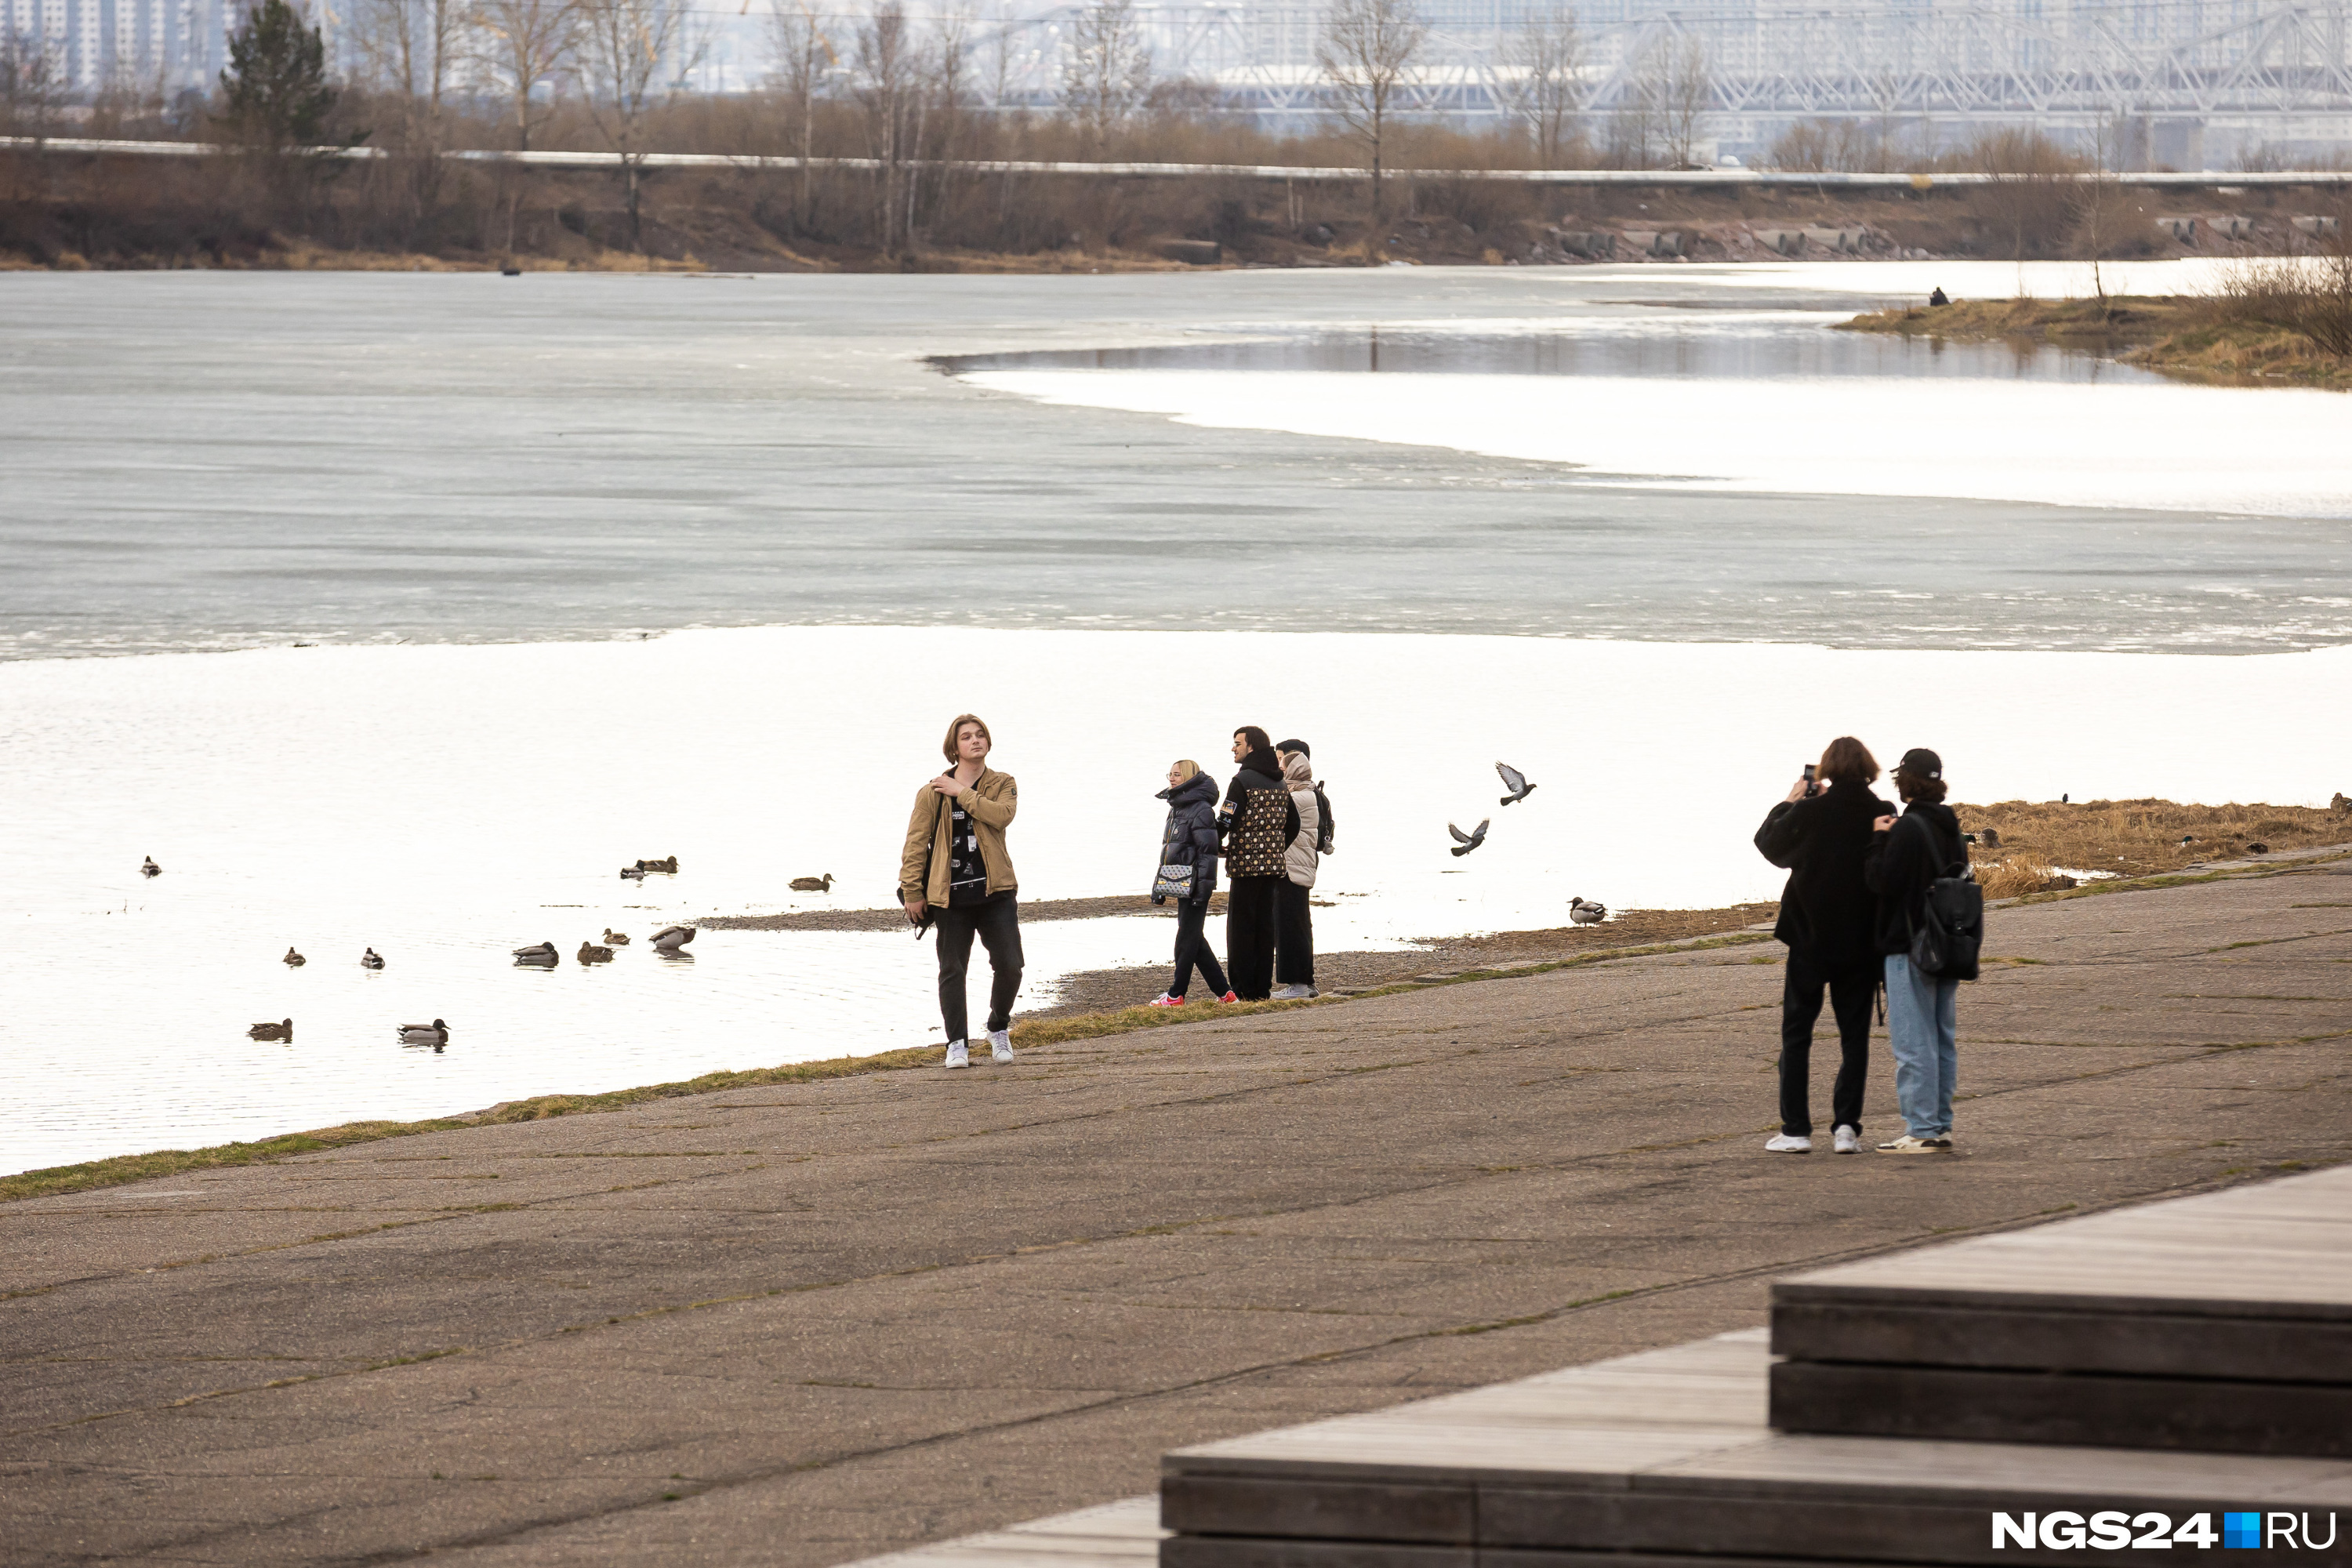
{"points": [[1105, 70], [1683, 87], [32, 85], [888, 75], [409, 50], [950, 92], [520, 43], [802, 53], [1368, 51], [1547, 57], [636, 53]]}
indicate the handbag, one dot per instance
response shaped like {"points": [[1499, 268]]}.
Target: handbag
{"points": [[1174, 881], [1261, 837]]}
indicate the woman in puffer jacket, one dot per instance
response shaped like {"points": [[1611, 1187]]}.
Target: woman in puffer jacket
{"points": [[1190, 839], [1293, 919]]}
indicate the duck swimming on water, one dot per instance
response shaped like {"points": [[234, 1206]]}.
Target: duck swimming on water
{"points": [[149, 868], [371, 959], [615, 938], [591, 953], [293, 959], [279, 1031], [435, 1033], [669, 938], [813, 884]]}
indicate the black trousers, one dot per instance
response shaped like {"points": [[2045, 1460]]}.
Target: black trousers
{"points": [[1192, 948], [1801, 1003], [1294, 935], [998, 921], [1249, 935]]}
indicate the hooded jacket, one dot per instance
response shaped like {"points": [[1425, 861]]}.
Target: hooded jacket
{"points": [[1299, 861], [1827, 912], [923, 866], [1191, 839], [1901, 861], [1260, 769]]}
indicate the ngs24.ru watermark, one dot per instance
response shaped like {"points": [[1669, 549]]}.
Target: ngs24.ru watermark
{"points": [[2116, 1531]]}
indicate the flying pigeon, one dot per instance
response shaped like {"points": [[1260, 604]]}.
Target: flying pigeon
{"points": [[1516, 782], [1465, 842]]}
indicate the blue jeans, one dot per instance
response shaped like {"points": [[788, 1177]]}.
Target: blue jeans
{"points": [[1922, 1023]]}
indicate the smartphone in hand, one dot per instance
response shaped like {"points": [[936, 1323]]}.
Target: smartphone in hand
{"points": [[1812, 786]]}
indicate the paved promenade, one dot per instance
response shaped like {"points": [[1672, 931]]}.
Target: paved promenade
{"points": [[800, 1325]]}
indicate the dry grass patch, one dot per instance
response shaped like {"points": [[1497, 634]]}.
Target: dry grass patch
{"points": [[2133, 838]]}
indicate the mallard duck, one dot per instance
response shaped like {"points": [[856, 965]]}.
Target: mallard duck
{"points": [[435, 1033], [616, 938], [371, 959], [536, 952], [294, 959], [279, 1031], [591, 953], [667, 865], [669, 938], [149, 868], [813, 884], [1585, 913], [633, 873]]}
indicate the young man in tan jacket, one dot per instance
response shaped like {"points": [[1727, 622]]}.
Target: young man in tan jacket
{"points": [[955, 870]]}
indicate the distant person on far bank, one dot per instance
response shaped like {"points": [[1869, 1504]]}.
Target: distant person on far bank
{"points": [[1820, 834], [955, 875], [1905, 860], [1938, 298], [1259, 820], [1188, 875], [1294, 913]]}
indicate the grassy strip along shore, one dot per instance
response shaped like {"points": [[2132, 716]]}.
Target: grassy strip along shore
{"points": [[2196, 339]]}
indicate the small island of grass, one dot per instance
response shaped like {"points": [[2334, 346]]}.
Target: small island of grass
{"points": [[2198, 338]]}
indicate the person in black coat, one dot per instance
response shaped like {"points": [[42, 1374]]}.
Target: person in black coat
{"points": [[1828, 919], [1190, 839], [1250, 900], [1904, 860]]}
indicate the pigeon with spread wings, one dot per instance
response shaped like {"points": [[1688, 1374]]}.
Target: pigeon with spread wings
{"points": [[1465, 842], [1516, 782]]}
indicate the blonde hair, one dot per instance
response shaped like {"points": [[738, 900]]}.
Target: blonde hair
{"points": [[1187, 770], [955, 727]]}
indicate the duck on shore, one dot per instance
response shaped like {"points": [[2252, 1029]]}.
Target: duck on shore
{"points": [[435, 1033], [371, 959], [813, 884], [282, 1030], [293, 959], [1583, 911], [615, 938]]}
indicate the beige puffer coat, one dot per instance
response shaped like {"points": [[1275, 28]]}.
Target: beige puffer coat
{"points": [[1298, 861]]}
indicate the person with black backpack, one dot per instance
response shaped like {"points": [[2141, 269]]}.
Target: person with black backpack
{"points": [[1929, 927]]}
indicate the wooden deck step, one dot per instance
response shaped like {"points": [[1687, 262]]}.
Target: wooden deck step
{"points": [[2221, 1322], [1664, 1460], [1122, 1534]]}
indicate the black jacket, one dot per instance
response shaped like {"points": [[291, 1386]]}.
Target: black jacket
{"points": [[1192, 836], [1259, 770], [1826, 912], [1901, 863]]}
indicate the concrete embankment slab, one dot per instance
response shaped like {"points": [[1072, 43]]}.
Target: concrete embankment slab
{"points": [[802, 1324]]}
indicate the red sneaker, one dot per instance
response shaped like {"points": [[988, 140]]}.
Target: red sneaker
{"points": [[1229, 997], [1164, 1000]]}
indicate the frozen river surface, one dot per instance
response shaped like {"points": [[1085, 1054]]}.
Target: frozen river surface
{"points": [[1674, 534]]}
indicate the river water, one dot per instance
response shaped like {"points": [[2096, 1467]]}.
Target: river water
{"points": [[599, 568]]}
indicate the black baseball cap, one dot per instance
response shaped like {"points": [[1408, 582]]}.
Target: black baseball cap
{"points": [[1298, 746], [1921, 764]]}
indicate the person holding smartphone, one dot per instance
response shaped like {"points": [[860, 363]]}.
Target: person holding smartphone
{"points": [[955, 874], [1820, 835]]}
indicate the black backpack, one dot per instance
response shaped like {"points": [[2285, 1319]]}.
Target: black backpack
{"points": [[1323, 818], [1946, 944]]}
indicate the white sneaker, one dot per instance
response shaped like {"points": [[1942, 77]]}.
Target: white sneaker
{"points": [[1907, 1144], [1845, 1140], [1293, 994], [1784, 1143], [1000, 1045], [957, 1055]]}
